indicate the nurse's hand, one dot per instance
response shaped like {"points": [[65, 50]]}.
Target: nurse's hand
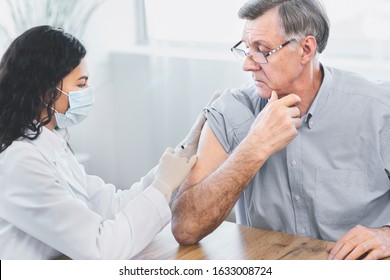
{"points": [[171, 172], [189, 146]]}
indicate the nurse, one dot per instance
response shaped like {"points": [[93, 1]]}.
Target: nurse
{"points": [[49, 206]]}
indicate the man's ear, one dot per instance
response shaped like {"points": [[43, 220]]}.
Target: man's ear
{"points": [[309, 47]]}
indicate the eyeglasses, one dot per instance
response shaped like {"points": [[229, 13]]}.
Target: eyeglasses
{"points": [[258, 56]]}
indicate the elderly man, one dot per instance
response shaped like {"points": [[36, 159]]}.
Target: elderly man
{"points": [[303, 148]]}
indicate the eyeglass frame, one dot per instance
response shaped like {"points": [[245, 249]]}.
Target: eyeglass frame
{"points": [[266, 54]]}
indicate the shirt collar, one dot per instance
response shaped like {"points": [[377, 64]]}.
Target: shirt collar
{"points": [[320, 99], [49, 142]]}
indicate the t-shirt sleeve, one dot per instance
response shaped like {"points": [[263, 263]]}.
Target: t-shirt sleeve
{"points": [[222, 130], [230, 119]]}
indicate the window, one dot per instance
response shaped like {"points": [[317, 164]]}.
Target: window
{"points": [[359, 37], [200, 21]]}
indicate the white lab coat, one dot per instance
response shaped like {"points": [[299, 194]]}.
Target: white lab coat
{"points": [[49, 206]]}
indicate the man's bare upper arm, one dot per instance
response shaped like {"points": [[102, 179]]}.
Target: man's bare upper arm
{"points": [[210, 156]]}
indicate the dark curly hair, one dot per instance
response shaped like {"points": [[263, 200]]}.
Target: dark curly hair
{"points": [[30, 70]]}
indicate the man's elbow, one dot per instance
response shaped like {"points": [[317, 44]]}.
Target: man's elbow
{"points": [[183, 234]]}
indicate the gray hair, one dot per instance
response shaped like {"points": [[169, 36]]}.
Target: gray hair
{"points": [[299, 18]]}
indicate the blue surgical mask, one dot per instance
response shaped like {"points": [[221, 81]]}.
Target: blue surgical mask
{"points": [[80, 105]]}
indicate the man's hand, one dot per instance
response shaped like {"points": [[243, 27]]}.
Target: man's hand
{"points": [[277, 124], [362, 243]]}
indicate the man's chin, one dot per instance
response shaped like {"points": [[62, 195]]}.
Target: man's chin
{"points": [[263, 91]]}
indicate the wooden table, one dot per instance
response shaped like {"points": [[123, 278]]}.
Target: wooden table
{"points": [[235, 242]]}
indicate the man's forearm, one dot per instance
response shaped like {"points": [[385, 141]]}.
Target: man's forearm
{"points": [[201, 208]]}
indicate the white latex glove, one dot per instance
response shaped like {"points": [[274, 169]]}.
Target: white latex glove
{"points": [[189, 146], [171, 172]]}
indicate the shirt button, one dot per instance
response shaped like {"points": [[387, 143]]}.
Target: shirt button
{"points": [[303, 232], [297, 197], [293, 163]]}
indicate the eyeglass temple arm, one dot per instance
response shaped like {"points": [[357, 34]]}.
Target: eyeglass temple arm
{"points": [[236, 45], [278, 48]]}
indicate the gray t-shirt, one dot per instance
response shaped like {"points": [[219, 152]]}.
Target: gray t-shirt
{"points": [[333, 175]]}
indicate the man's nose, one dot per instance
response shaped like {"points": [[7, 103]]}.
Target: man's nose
{"points": [[250, 65]]}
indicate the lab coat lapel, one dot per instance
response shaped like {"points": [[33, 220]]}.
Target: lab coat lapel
{"points": [[67, 171], [53, 147]]}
